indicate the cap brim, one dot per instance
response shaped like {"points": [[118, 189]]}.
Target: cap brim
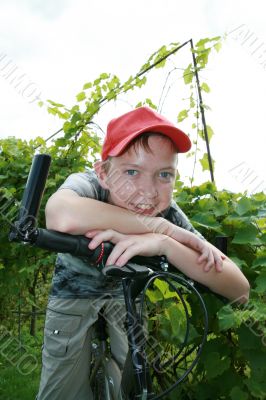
{"points": [[178, 137]]}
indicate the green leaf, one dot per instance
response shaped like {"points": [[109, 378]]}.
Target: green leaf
{"points": [[246, 235], [87, 85], [154, 296], [104, 75], [243, 206], [161, 285], [205, 162], [206, 220], [81, 96], [240, 263], [259, 262], [215, 366], [210, 133], [220, 208], [238, 394], [256, 388], [247, 338], [261, 282], [205, 87], [52, 110], [55, 104], [228, 318], [182, 115], [176, 317], [202, 42], [188, 74], [164, 289], [218, 46]]}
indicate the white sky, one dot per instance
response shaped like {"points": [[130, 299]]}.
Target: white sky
{"points": [[60, 45]]}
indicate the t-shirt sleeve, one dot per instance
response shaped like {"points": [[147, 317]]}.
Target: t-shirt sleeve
{"points": [[85, 184], [179, 218]]}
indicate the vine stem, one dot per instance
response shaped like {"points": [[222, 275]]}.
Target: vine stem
{"points": [[202, 112]]}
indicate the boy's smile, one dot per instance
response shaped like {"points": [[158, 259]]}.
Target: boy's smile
{"points": [[141, 180]]}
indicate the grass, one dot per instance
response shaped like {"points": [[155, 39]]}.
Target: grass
{"points": [[15, 386], [20, 366]]}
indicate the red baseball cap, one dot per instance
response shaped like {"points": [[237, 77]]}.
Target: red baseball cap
{"points": [[122, 130]]}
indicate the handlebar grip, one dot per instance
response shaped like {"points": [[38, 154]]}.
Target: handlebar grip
{"points": [[34, 189], [76, 245]]}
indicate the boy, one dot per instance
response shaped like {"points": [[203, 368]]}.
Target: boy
{"points": [[128, 201]]}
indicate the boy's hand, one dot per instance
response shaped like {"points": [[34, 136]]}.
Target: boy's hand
{"points": [[127, 246], [208, 253], [151, 244]]}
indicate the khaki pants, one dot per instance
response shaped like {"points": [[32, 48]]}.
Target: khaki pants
{"points": [[66, 351]]}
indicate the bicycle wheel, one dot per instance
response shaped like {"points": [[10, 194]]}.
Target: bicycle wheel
{"points": [[105, 377], [98, 386], [175, 329], [97, 374], [114, 376]]}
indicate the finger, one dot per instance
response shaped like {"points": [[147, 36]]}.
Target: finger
{"points": [[117, 251], [103, 236], [218, 263], [204, 257], [92, 233], [210, 262], [123, 251], [127, 254]]}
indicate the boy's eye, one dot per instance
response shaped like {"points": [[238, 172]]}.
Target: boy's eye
{"points": [[165, 174], [131, 172]]}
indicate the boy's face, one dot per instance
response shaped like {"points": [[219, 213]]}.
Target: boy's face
{"points": [[140, 180]]}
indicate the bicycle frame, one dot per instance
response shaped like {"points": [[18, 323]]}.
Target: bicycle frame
{"points": [[105, 374], [136, 381], [114, 381]]}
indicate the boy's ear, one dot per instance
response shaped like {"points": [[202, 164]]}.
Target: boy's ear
{"points": [[100, 170]]}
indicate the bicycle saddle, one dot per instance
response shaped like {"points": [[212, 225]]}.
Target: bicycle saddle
{"points": [[129, 270]]}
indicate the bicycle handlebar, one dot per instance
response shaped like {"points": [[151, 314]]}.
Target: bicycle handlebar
{"points": [[77, 245], [65, 243], [34, 189]]}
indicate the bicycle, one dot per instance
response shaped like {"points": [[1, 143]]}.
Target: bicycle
{"points": [[137, 381]]}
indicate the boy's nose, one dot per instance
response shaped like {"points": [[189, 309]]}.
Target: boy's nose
{"points": [[149, 191]]}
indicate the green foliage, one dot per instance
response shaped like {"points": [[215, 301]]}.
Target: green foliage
{"points": [[236, 343], [232, 365]]}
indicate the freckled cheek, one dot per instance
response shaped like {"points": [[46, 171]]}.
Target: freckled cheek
{"points": [[165, 193], [122, 193]]}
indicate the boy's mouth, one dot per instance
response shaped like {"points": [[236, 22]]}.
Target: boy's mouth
{"points": [[145, 209]]}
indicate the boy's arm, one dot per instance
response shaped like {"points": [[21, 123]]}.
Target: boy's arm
{"points": [[230, 283], [68, 212]]}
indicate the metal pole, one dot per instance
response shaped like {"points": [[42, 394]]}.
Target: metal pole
{"points": [[202, 112]]}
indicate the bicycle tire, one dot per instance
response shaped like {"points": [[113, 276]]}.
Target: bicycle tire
{"points": [[114, 376], [97, 376]]}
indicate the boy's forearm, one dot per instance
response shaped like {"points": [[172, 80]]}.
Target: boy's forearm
{"points": [[230, 283], [77, 215]]}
